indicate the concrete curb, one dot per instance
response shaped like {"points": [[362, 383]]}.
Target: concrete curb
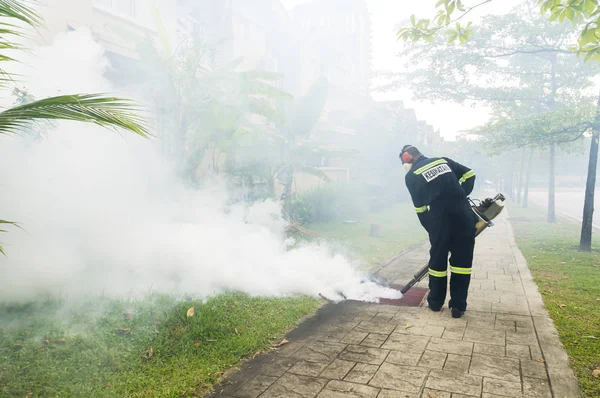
{"points": [[563, 382]]}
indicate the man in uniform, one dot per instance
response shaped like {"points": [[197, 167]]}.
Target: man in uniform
{"points": [[439, 188]]}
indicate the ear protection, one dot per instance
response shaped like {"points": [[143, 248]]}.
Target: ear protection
{"points": [[405, 156]]}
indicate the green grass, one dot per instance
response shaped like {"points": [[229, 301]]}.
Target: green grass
{"points": [[569, 282], [102, 354], [401, 230]]}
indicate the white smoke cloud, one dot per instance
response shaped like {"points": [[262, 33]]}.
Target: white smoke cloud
{"points": [[104, 214]]}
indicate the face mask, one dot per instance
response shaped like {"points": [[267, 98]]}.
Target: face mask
{"points": [[407, 166]]}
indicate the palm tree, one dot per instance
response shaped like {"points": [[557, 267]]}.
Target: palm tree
{"points": [[101, 109]]}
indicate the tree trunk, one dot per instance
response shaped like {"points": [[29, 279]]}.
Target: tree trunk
{"points": [[528, 179], [520, 182], [585, 243], [552, 185]]}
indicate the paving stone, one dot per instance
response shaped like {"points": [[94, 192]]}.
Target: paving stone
{"points": [[480, 324], [289, 349], [332, 334], [433, 360], [319, 352], [255, 386], [457, 363], [527, 338], [362, 354], [383, 317], [374, 327], [338, 369], [451, 346], [491, 350], [308, 368], [535, 351], [495, 367], [406, 343], [440, 319], [428, 330], [505, 325], [338, 326], [502, 387], [277, 366], [374, 340], [481, 306], [454, 332], [388, 309], [518, 351], [486, 317], [361, 373], [290, 385], [404, 358], [534, 369], [364, 316], [429, 393], [354, 337], [451, 382], [341, 389], [414, 320], [398, 377], [397, 394], [490, 337], [536, 388]]}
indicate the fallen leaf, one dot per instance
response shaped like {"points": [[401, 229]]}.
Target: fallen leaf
{"points": [[183, 393], [60, 341], [124, 330], [46, 341], [562, 305], [236, 331], [149, 354], [257, 353], [28, 394], [190, 312], [596, 373], [540, 360], [197, 345], [408, 325], [283, 342], [128, 315], [432, 395]]}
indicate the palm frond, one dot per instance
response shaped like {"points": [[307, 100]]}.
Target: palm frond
{"points": [[105, 111], [315, 172], [21, 12], [3, 230]]}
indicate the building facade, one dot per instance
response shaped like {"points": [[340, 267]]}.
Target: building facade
{"points": [[340, 33]]}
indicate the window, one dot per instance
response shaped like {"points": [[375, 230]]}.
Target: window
{"points": [[122, 7], [125, 7], [103, 3]]}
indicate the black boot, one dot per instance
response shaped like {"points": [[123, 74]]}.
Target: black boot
{"points": [[457, 313]]}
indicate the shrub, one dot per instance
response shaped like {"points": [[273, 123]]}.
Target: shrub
{"points": [[330, 202]]}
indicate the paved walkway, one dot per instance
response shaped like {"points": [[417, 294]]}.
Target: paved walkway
{"points": [[505, 345]]}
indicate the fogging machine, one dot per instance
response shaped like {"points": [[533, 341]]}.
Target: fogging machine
{"points": [[486, 210]]}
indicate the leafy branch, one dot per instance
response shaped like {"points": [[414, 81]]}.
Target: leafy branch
{"points": [[422, 29]]}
